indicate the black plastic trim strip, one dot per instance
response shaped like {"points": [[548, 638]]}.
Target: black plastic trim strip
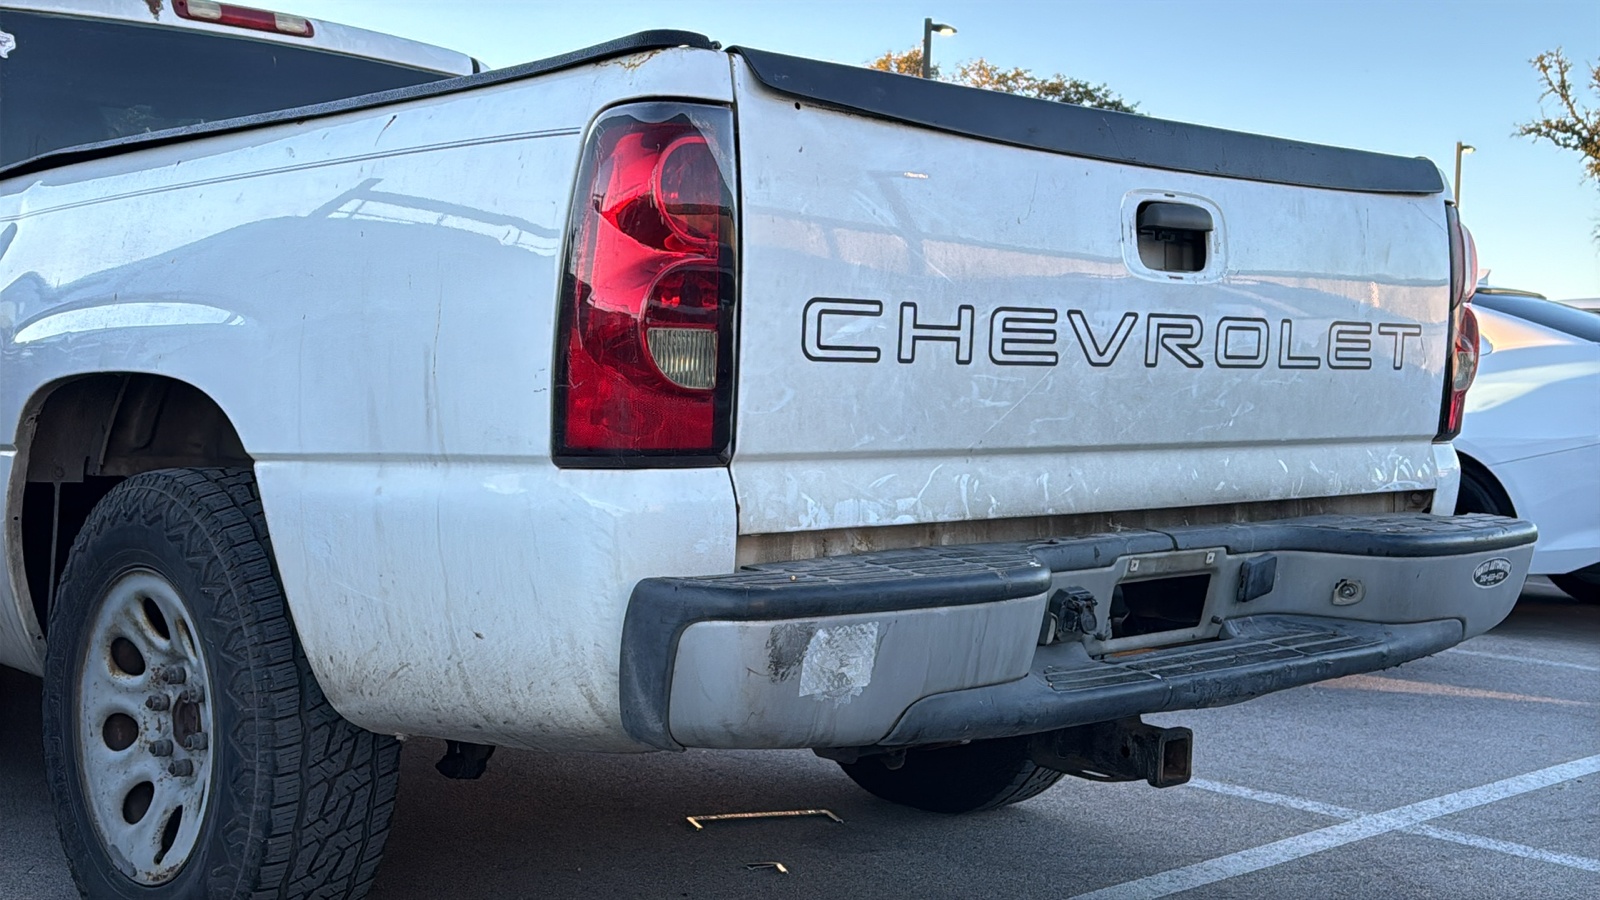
{"points": [[1092, 133], [642, 41], [929, 577]]}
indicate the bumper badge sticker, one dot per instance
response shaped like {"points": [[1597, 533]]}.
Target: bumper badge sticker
{"points": [[1491, 572]]}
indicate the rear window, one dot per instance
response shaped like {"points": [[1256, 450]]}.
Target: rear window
{"points": [[70, 81], [1552, 315]]}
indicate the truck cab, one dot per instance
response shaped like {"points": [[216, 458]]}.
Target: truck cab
{"points": [[85, 72]]}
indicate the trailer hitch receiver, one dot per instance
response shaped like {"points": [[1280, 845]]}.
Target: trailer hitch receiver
{"points": [[1121, 750]]}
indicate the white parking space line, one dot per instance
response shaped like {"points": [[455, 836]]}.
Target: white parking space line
{"points": [[1277, 853], [1311, 806], [1522, 850], [1524, 659], [1443, 834]]}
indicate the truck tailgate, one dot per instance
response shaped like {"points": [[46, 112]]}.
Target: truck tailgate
{"points": [[938, 327]]}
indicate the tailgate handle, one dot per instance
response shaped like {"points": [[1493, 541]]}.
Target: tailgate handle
{"points": [[1173, 217], [1173, 237]]}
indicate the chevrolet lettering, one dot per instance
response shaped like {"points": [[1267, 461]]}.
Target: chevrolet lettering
{"points": [[1034, 336]]}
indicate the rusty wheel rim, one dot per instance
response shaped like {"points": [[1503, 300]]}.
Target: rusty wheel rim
{"points": [[145, 728]]}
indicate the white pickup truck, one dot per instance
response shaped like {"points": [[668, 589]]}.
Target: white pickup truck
{"points": [[662, 395]]}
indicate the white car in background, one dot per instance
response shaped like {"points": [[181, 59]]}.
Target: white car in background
{"points": [[1530, 445]]}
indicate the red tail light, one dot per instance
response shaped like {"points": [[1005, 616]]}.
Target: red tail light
{"points": [[243, 17], [1461, 364], [1462, 368], [645, 341]]}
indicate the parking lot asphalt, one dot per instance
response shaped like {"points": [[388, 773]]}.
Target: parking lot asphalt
{"points": [[1471, 774]]}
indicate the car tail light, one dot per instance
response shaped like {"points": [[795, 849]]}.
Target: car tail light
{"points": [[1461, 364], [243, 17], [1463, 259], [645, 338]]}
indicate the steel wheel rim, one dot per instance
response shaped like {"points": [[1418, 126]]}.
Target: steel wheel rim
{"points": [[145, 728]]}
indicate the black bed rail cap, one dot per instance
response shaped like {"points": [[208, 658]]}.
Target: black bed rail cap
{"points": [[1091, 133]]}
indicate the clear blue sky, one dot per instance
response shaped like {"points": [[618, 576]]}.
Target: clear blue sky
{"points": [[1405, 76]]}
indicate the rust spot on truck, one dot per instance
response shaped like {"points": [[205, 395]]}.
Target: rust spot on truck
{"points": [[631, 62]]}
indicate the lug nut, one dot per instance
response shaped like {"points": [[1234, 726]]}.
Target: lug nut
{"points": [[174, 675], [182, 768], [196, 741], [192, 694], [162, 747], [157, 702]]}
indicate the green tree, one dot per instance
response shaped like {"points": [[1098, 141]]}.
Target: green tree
{"points": [[981, 73], [984, 74], [1574, 126]]}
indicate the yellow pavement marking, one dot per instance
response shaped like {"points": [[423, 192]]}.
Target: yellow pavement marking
{"points": [[1403, 686]]}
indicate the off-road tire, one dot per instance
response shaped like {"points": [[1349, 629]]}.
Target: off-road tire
{"points": [[299, 800], [964, 778]]}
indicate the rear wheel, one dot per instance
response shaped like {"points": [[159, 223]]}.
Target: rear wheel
{"points": [[1481, 494], [189, 750], [965, 778], [1583, 586]]}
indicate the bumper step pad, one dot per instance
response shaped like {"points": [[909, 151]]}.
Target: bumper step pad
{"points": [[1211, 657], [1257, 655]]}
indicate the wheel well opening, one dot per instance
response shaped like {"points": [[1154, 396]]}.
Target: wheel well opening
{"points": [[88, 434], [1481, 491]]}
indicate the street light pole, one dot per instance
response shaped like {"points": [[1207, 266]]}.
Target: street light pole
{"points": [[1461, 150], [929, 28], [927, 49]]}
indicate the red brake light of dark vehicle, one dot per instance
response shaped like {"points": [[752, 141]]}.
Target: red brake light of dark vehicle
{"points": [[1461, 363], [243, 17], [645, 338]]}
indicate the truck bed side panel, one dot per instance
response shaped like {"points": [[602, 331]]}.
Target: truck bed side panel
{"points": [[370, 297]]}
